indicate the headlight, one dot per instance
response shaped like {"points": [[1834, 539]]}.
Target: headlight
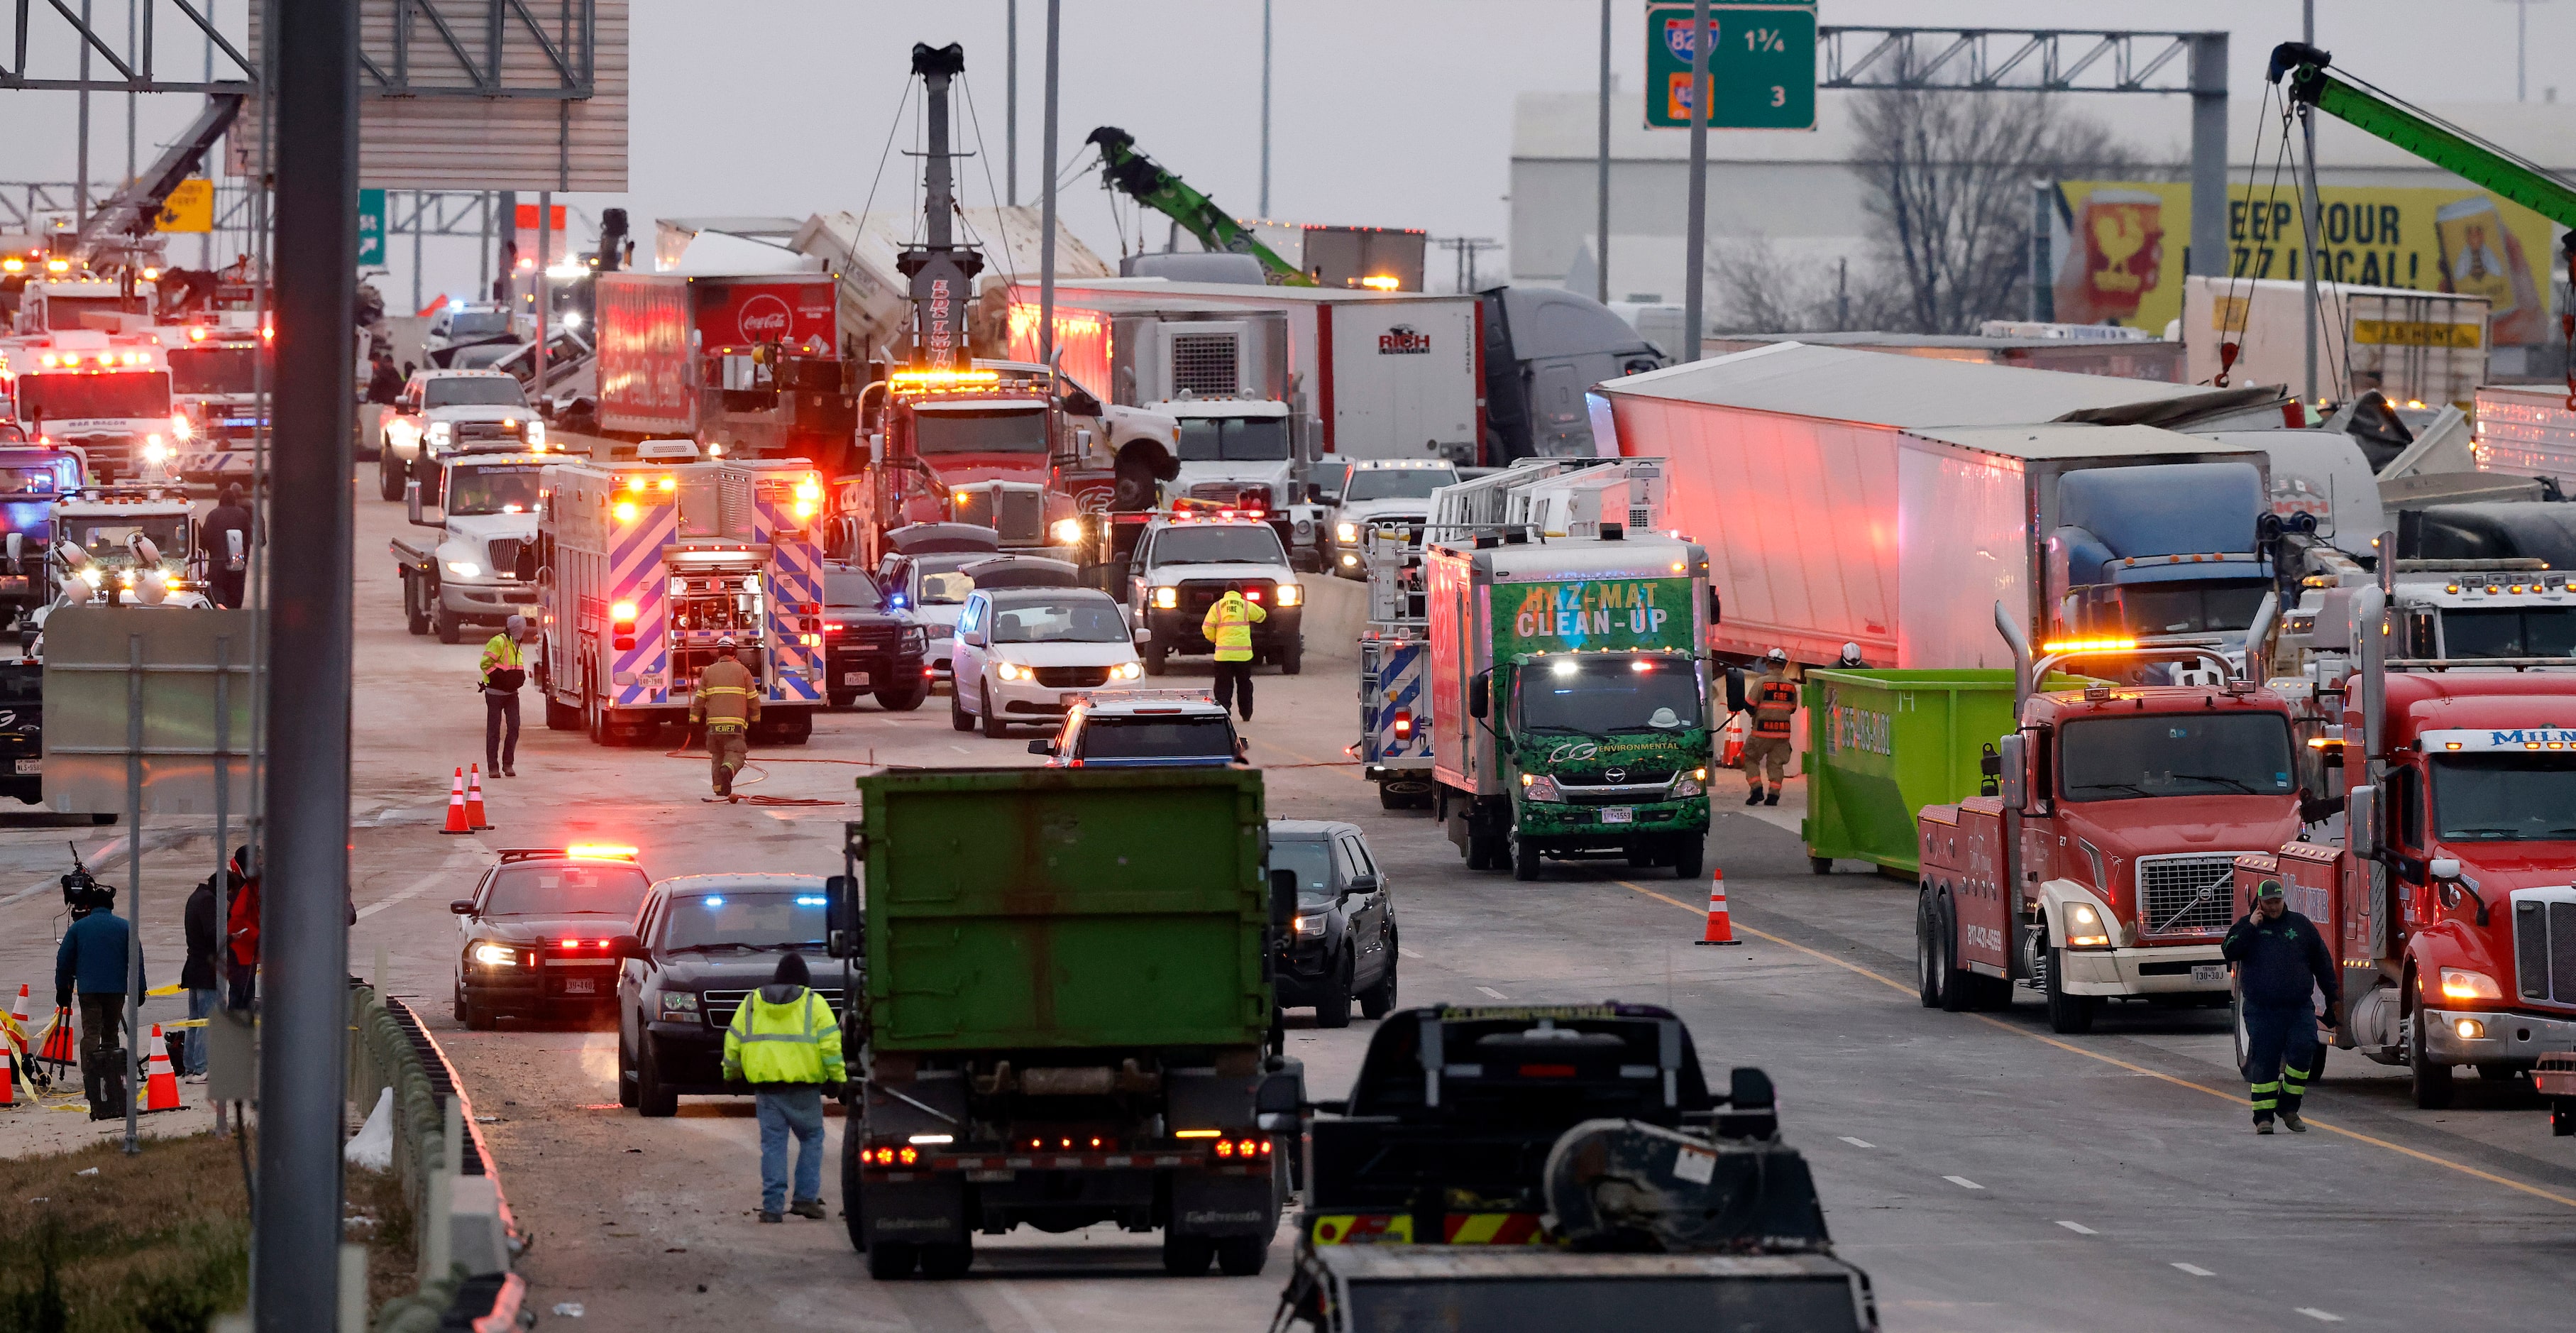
{"points": [[915, 639], [1289, 593], [1346, 533], [154, 451], [1309, 923], [1067, 531], [681, 1005], [2459, 983], [181, 427], [496, 955], [1349, 561], [1167, 598], [1130, 670], [536, 432], [465, 569], [440, 433], [2084, 928], [1011, 671], [1687, 786], [1535, 788]]}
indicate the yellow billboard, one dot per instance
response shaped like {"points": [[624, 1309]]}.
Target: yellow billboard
{"points": [[2120, 248]]}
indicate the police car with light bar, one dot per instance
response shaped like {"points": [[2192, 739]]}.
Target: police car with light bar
{"points": [[539, 931]]}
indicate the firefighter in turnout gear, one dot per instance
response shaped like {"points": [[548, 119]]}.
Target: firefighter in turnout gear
{"points": [[2281, 961], [1228, 625], [1773, 699], [785, 1043], [728, 702]]}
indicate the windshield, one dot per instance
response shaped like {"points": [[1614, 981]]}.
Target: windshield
{"points": [[1398, 483], [2176, 754], [476, 323], [1157, 738], [1020, 431], [2505, 797], [508, 488], [473, 391], [1313, 862], [941, 584], [2190, 608], [1234, 439], [1214, 545], [761, 918], [33, 479], [851, 591], [1604, 694], [566, 890], [214, 369], [122, 394], [105, 538], [1085, 621], [481, 358], [2510, 632]]}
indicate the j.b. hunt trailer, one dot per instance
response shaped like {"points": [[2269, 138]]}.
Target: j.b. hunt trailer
{"points": [[642, 568]]}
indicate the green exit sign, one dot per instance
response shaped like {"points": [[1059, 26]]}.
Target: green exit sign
{"points": [[1761, 66]]}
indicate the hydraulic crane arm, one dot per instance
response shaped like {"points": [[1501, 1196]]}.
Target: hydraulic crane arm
{"points": [[1167, 194]]}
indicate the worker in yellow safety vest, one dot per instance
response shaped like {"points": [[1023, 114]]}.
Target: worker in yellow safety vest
{"points": [[785, 1043], [504, 671], [1773, 699], [728, 702], [1228, 626]]}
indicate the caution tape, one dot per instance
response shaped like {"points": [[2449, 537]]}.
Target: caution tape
{"points": [[182, 1023], [171, 989]]}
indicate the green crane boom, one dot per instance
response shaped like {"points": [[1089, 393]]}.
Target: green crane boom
{"points": [[1169, 195]]}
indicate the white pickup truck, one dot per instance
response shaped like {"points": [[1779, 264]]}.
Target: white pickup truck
{"points": [[442, 411], [480, 568]]}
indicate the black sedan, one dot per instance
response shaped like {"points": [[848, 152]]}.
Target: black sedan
{"points": [[701, 946], [540, 929], [870, 646], [1341, 946]]}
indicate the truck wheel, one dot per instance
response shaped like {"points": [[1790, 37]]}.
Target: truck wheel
{"points": [[947, 1260], [1242, 1256], [904, 699], [652, 1100], [1388, 800], [389, 476], [1158, 656], [994, 727], [852, 1216], [561, 716], [1334, 1009], [2071, 1015], [2429, 1082], [1686, 856], [958, 718], [1927, 951], [1957, 996], [449, 628], [1524, 855], [626, 1095], [1487, 851], [1379, 1000], [891, 1259], [1186, 1256], [796, 730], [2236, 1025], [1292, 660], [1820, 865]]}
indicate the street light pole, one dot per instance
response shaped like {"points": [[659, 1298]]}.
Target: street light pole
{"points": [[1265, 108], [1694, 282], [1601, 186], [1011, 103], [1046, 211]]}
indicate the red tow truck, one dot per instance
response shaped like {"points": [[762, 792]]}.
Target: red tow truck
{"points": [[982, 445], [2448, 898], [2101, 864]]}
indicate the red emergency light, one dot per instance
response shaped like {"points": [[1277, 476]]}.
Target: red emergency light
{"points": [[1404, 726]]}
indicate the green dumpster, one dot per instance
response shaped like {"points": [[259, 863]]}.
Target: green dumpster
{"points": [[1881, 745]]}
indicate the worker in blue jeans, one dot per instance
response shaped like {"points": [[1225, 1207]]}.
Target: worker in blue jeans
{"points": [[786, 1044]]}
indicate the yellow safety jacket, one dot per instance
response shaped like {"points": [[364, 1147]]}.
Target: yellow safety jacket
{"points": [[728, 698], [1229, 626], [1774, 698], [794, 1041]]}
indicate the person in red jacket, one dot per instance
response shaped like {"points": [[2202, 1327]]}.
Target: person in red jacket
{"points": [[241, 931]]}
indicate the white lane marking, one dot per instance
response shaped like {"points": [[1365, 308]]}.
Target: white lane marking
{"points": [[447, 871], [1963, 1182], [1858, 1143], [2320, 1316], [1493, 992], [2078, 1228], [2195, 1270], [1409, 953]]}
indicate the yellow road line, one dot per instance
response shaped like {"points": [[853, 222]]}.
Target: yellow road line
{"points": [[2228, 1097]]}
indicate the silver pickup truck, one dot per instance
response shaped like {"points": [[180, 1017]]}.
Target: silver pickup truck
{"points": [[480, 567]]}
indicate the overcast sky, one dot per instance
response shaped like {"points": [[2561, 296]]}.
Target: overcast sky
{"points": [[1384, 112]]}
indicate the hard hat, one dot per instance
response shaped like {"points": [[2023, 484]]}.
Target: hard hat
{"points": [[1851, 650], [1777, 656], [726, 643]]}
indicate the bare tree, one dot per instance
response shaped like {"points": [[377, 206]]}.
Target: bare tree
{"points": [[1948, 174], [1761, 290]]}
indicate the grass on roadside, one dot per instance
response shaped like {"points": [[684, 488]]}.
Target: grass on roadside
{"points": [[154, 1243]]}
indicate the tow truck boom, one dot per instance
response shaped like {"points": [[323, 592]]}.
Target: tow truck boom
{"points": [[1160, 190]]}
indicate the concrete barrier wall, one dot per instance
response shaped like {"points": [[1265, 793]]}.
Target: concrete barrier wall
{"points": [[1336, 612]]}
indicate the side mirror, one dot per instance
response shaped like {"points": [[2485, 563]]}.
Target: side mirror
{"points": [[412, 506], [462, 907], [627, 946], [2012, 779], [1361, 884], [1042, 745], [842, 937], [2361, 821], [1283, 896], [2443, 867], [1479, 688]]}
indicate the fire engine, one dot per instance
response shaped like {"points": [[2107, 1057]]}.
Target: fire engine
{"points": [[106, 395], [215, 372], [643, 566]]}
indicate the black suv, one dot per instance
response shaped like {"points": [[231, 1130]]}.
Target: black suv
{"points": [[703, 944], [1341, 945], [541, 929], [868, 645]]}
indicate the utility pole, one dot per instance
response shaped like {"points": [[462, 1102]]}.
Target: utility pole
{"points": [[130, 97], [545, 258], [2521, 45], [80, 174], [304, 1010], [1046, 212], [2308, 214], [1265, 105], [1601, 204], [1695, 282], [1011, 103], [206, 256]]}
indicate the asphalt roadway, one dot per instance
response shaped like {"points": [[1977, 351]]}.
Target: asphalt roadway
{"points": [[1989, 1175]]}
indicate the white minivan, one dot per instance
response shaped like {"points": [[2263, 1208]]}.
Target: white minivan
{"points": [[1020, 651]]}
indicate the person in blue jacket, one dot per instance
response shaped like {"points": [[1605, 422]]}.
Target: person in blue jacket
{"points": [[2281, 961], [92, 962]]}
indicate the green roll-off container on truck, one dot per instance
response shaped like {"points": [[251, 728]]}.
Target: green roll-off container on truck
{"points": [[1881, 745], [1063, 1015]]}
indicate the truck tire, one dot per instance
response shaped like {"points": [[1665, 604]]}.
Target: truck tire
{"points": [[891, 1259], [389, 474], [2430, 1083], [958, 718], [994, 727], [1487, 851], [1242, 1256], [2070, 1015], [1379, 1000], [797, 729], [947, 1260], [843, 698], [1186, 1256], [561, 716], [852, 1216], [415, 616], [1524, 856], [652, 1100], [1687, 850], [626, 1096], [906, 698], [1333, 1009], [449, 628], [1958, 995], [1927, 951], [1292, 660], [1158, 656]]}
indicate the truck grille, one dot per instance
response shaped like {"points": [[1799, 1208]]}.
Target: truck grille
{"points": [[719, 1005], [1205, 365], [2544, 945], [503, 553], [478, 431], [1196, 598], [1073, 678], [2167, 885]]}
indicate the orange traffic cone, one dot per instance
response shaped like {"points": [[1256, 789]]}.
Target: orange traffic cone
{"points": [[8, 1075], [160, 1084], [1720, 930], [457, 820], [59, 1049], [474, 798]]}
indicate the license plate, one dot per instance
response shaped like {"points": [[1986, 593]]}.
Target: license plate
{"points": [[31, 766], [581, 986], [854, 678], [1618, 814], [2209, 974]]}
